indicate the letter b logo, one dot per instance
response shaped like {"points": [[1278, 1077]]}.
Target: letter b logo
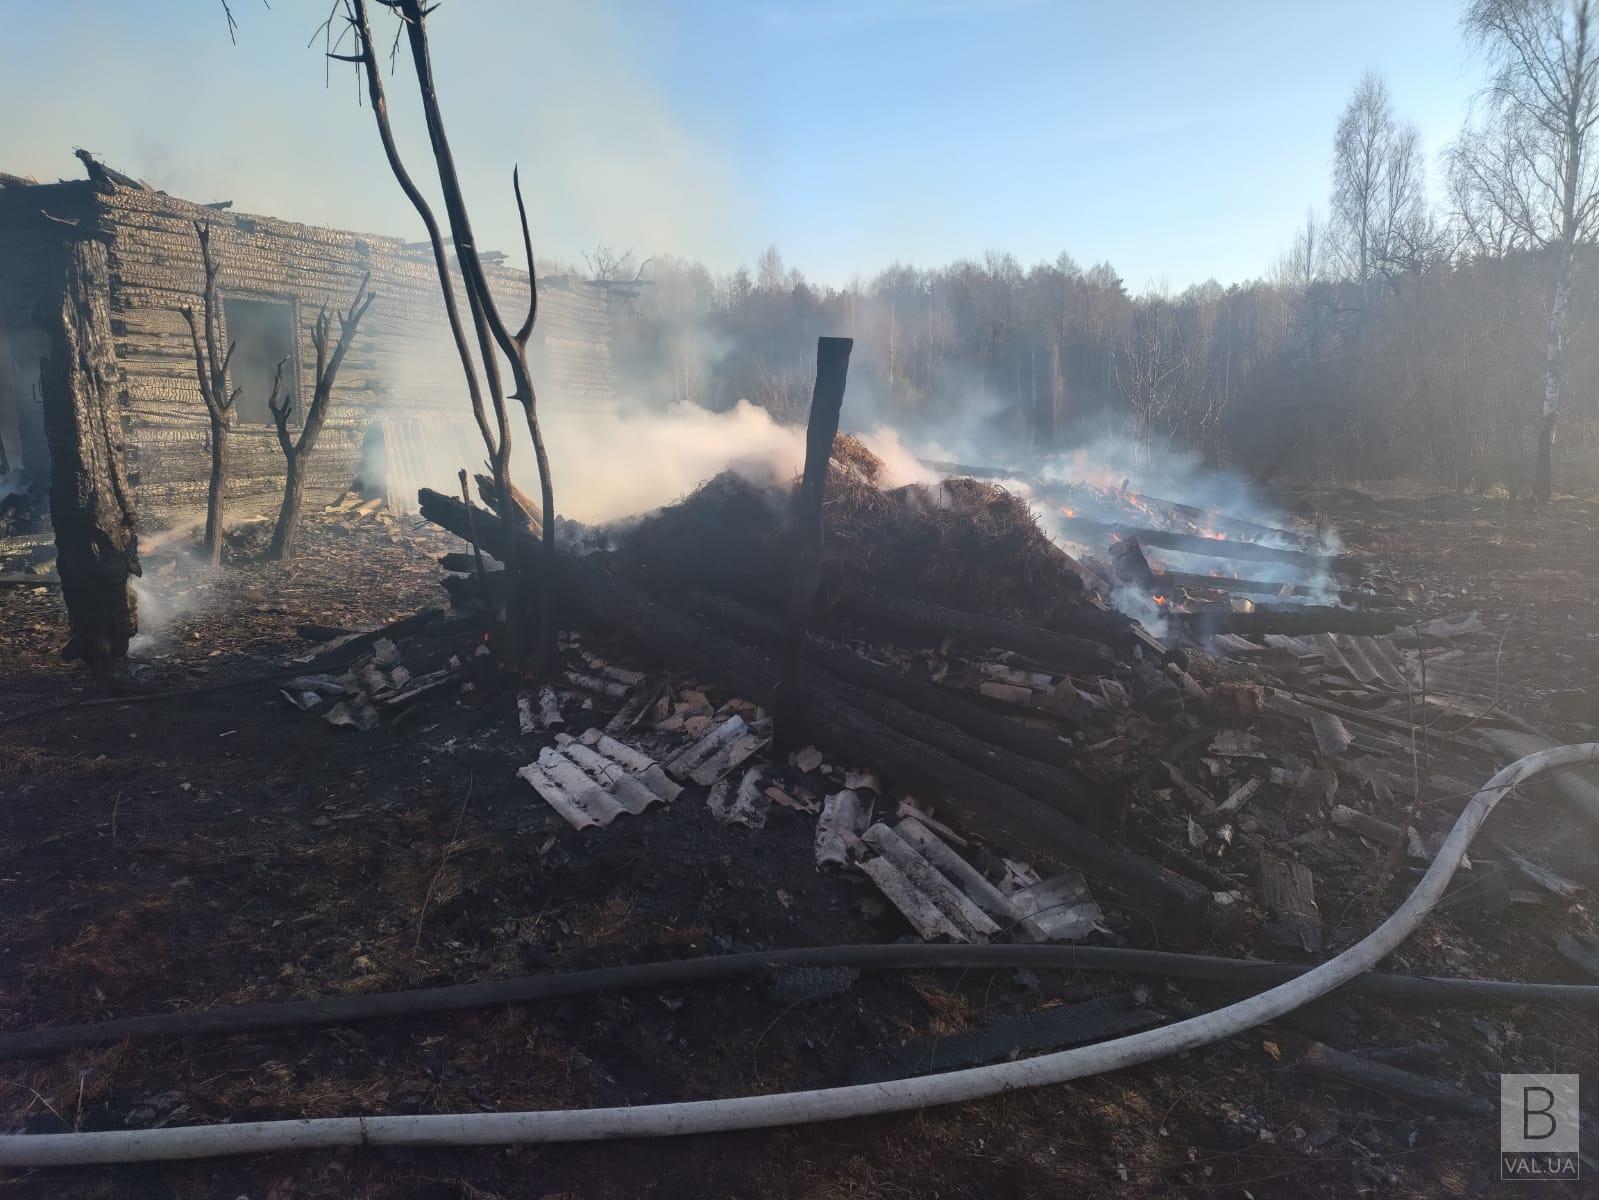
{"points": [[1537, 1108], [1538, 1114]]}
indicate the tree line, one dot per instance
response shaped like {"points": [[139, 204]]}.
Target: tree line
{"points": [[1446, 331]]}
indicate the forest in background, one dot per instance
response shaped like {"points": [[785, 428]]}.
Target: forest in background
{"points": [[1407, 334], [1435, 372]]}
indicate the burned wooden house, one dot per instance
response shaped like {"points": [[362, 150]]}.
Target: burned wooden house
{"points": [[398, 407]]}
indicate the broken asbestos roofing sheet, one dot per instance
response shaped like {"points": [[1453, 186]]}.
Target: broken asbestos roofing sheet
{"points": [[594, 785]]}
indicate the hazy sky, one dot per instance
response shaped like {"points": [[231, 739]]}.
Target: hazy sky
{"points": [[1179, 141]]}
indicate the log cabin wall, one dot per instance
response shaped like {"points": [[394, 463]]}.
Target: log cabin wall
{"points": [[401, 362], [37, 223]]}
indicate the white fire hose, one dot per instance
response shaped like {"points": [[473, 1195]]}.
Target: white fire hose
{"points": [[798, 1108]]}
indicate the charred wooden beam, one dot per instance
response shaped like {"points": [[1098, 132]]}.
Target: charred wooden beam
{"points": [[1048, 785], [943, 703], [1067, 495], [827, 401], [1103, 532], [1106, 625], [530, 513], [1290, 620], [1065, 651], [91, 503], [1031, 761], [1251, 587]]}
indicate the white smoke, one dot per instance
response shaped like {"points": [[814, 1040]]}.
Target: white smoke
{"points": [[161, 604], [612, 464], [608, 465], [178, 582]]}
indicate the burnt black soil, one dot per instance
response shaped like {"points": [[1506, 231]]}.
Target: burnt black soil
{"points": [[162, 856]]}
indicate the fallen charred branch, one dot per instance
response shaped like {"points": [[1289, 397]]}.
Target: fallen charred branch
{"points": [[1101, 532], [832, 716], [1065, 651]]}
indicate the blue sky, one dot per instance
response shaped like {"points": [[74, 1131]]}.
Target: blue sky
{"points": [[1178, 141]]}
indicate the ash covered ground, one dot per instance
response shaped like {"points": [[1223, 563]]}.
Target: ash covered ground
{"points": [[167, 855]]}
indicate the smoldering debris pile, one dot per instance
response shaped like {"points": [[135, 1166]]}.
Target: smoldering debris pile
{"points": [[984, 747], [1166, 560], [1221, 780]]}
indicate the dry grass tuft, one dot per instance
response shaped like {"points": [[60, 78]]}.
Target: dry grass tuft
{"points": [[951, 1012], [130, 942], [594, 924]]}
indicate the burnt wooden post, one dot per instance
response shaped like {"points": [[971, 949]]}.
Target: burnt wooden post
{"points": [[832, 368], [91, 504]]}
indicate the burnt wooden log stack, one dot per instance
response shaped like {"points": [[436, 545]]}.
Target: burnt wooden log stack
{"points": [[923, 753]]}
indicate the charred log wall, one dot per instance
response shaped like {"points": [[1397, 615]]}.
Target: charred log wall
{"points": [[403, 360], [37, 225]]}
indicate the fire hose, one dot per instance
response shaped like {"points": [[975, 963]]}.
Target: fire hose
{"points": [[798, 1108]]}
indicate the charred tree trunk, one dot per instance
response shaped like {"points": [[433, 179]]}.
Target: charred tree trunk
{"points": [[215, 500], [297, 451], [211, 370], [282, 548], [491, 329], [91, 505]]}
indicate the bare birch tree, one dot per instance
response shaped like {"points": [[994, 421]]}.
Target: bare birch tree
{"points": [[1306, 260], [1525, 175], [1379, 192]]}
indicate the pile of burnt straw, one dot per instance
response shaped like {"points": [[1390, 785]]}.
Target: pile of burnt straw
{"points": [[960, 542]]}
